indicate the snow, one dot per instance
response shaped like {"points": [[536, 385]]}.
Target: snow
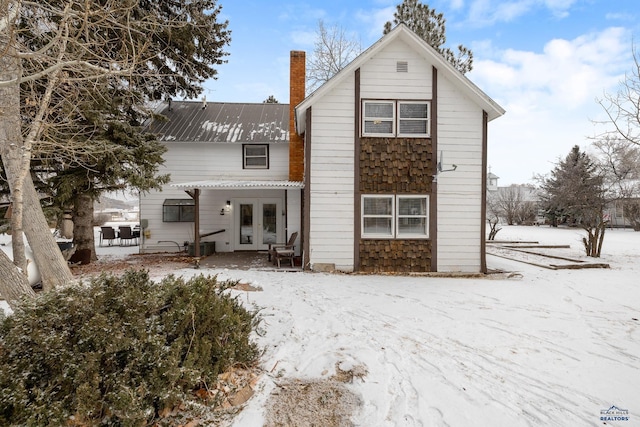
{"points": [[542, 347]]}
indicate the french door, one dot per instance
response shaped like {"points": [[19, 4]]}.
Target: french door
{"points": [[257, 223]]}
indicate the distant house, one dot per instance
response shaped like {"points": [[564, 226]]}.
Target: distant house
{"points": [[383, 171]]}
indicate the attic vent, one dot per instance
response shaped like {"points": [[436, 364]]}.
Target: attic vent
{"points": [[402, 66]]}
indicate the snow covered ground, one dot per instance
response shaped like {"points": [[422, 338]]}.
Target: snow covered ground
{"points": [[551, 348], [542, 348]]}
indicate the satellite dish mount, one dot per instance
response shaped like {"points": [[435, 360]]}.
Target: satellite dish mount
{"points": [[440, 167]]}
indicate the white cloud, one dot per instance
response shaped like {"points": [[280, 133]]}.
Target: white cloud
{"points": [[456, 4], [305, 38], [487, 12], [549, 97], [373, 22]]}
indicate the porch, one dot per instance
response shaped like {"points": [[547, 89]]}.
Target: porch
{"points": [[245, 260]]}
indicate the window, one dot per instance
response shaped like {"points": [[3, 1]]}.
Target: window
{"points": [[255, 156], [377, 216], [379, 118], [178, 210], [389, 216], [413, 119], [412, 216]]}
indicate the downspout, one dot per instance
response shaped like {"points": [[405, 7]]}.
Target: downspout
{"points": [[433, 203], [357, 234], [483, 205]]}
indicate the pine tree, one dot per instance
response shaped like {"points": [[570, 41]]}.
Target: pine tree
{"points": [[430, 26], [574, 194]]}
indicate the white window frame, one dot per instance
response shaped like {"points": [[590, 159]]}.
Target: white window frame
{"points": [[366, 119], [395, 216], [390, 216], [264, 156], [395, 126], [425, 216], [421, 119]]}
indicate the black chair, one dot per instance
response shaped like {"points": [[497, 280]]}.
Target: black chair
{"points": [[107, 234], [126, 235]]}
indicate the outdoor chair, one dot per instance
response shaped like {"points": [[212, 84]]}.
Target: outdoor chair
{"points": [[107, 234], [280, 251], [126, 236]]}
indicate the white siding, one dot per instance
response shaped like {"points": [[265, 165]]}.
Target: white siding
{"points": [[459, 191], [201, 161], [380, 80], [332, 174]]}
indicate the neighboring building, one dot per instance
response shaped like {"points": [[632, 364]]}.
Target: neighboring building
{"points": [[492, 182], [385, 170]]}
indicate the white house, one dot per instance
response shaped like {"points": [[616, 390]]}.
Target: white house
{"points": [[229, 166], [396, 154], [385, 170]]}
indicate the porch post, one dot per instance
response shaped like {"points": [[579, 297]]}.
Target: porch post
{"points": [[195, 195]]}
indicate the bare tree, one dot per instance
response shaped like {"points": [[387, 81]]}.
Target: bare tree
{"points": [[619, 163], [54, 50], [493, 216], [513, 205], [333, 50], [623, 108]]}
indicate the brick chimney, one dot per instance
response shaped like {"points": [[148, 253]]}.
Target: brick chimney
{"points": [[296, 96]]}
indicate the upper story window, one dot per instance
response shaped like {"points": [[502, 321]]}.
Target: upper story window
{"points": [[378, 118], [255, 156], [395, 118]]}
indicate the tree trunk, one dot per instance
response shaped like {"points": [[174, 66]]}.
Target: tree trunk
{"points": [[16, 159], [13, 285], [10, 143], [52, 265], [83, 224]]}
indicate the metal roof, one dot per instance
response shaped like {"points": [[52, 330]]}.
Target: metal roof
{"points": [[220, 122], [240, 185]]}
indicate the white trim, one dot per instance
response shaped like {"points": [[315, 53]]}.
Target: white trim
{"points": [[426, 120], [375, 119], [394, 217], [239, 185], [390, 216], [425, 215]]}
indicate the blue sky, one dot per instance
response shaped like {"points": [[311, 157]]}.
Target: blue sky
{"points": [[544, 61]]}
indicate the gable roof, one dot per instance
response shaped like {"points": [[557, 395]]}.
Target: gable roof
{"points": [[220, 122], [403, 33]]}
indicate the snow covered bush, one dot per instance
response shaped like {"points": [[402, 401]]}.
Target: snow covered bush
{"points": [[118, 351]]}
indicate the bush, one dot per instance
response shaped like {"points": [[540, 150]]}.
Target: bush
{"points": [[118, 350]]}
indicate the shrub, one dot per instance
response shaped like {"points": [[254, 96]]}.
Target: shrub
{"points": [[119, 350]]}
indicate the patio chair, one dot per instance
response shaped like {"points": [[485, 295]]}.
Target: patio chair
{"points": [[126, 235], [280, 251], [107, 234]]}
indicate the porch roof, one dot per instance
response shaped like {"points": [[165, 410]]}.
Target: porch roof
{"points": [[240, 185]]}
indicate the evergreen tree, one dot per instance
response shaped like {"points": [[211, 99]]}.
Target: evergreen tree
{"points": [[574, 194], [76, 76], [430, 26]]}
